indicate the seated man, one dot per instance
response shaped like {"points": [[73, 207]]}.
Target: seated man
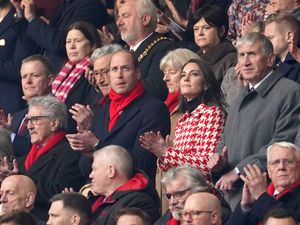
{"points": [[18, 217], [69, 209], [132, 216], [179, 183], [17, 192], [201, 208], [283, 160], [118, 186], [130, 113], [279, 216]]}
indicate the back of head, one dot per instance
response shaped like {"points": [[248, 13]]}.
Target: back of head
{"points": [[53, 108], [18, 217], [147, 7], [284, 216], [117, 156], [75, 203], [145, 218]]}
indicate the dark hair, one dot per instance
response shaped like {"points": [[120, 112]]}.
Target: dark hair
{"points": [[135, 61], [43, 60], [89, 31], [212, 96], [214, 16], [18, 217], [279, 213], [134, 212], [77, 203]]}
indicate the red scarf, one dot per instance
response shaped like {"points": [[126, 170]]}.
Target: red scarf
{"points": [[68, 77], [271, 189], [119, 102], [172, 100], [172, 221], [35, 153]]}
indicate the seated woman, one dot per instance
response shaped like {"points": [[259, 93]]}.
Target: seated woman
{"points": [[210, 30], [51, 162], [198, 131], [70, 86]]}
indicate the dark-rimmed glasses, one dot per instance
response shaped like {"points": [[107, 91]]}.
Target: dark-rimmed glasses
{"points": [[176, 194], [194, 214], [34, 119], [102, 72]]}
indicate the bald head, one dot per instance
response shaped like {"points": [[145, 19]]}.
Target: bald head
{"points": [[207, 206], [17, 192]]}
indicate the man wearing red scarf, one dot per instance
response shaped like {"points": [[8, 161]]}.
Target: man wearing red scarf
{"points": [[130, 113], [283, 160]]}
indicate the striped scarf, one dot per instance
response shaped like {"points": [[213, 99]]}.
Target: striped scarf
{"points": [[67, 78]]}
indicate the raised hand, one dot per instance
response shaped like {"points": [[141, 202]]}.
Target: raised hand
{"points": [[155, 143], [83, 115], [218, 161]]}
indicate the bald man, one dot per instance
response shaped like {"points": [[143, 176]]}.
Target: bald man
{"points": [[201, 209], [17, 192]]}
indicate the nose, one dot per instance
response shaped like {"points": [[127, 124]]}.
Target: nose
{"points": [[166, 76], [3, 198], [28, 79], [119, 21], [91, 175], [49, 221], [173, 201]]}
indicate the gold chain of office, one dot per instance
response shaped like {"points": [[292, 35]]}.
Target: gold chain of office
{"points": [[148, 48]]}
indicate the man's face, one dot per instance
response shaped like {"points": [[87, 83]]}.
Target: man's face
{"points": [[130, 23], [178, 190], [280, 221], [12, 195], [123, 76], [58, 215], [283, 168], [130, 220], [35, 81], [101, 71], [98, 176], [275, 33], [253, 63], [282, 5]]}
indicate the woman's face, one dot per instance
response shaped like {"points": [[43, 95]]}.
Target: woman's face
{"points": [[192, 82], [172, 78], [206, 36], [77, 45], [40, 126]]}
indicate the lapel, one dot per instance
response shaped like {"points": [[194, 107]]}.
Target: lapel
{"points": [[17, 119], [7, 22], [126, 115], [43, 160]]}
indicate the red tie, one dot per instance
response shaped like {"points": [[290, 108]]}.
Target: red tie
{"points": [[22, 127]]}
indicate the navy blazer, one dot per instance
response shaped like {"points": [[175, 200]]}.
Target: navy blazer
{"points": [[52, 37], [14, 46], [144, 114]]}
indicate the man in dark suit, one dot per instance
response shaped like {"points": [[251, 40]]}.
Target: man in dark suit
{"points": [[51, 37], [14, 46], [36, 77], [131, 112], [137, 22]]}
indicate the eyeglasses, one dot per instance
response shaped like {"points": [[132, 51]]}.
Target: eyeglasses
{"points": [[176, 194], [102, 72], [194, 214], [34, 119], [285, 162]]}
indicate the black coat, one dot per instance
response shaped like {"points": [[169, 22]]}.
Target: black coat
{"points": [[52, 172], [144, 114], [290, 68]]}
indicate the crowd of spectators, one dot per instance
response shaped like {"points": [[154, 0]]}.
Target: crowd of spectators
{"points": [[140, 112]]}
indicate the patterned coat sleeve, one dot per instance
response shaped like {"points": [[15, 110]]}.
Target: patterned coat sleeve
{"points": [[196, 138]]}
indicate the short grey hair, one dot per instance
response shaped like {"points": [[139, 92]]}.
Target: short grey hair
{"points": [[284, 144], [250, 38], [177, 58], [105, 50], [195, 178], [53, 108], [119, 157], [147, 7]]}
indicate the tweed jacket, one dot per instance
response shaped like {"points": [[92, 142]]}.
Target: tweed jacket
{"points": [[196, 138]]}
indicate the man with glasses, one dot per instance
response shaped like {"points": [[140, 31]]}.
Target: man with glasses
{"points": [[201, 209], [284, 191], [178, 184]]}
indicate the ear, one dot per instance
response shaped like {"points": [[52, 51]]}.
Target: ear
{"points": [[206, 86], [50, 79], [146, 19], [290, 37], [214, 218], [222, 31], [270, 60], [75, 220], [54, 125], [111, 171], [29, 201]]}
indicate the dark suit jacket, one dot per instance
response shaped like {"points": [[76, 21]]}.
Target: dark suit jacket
{"points": [[144, 114], [151, 75], [21, 143], [52, 172], [52, 38], [290, 68], [13, 48]]}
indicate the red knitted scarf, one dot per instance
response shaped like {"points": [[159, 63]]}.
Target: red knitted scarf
{"points": [[35, 153], [271, 189], [172, 100], [119, 102], [67, 78]]}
